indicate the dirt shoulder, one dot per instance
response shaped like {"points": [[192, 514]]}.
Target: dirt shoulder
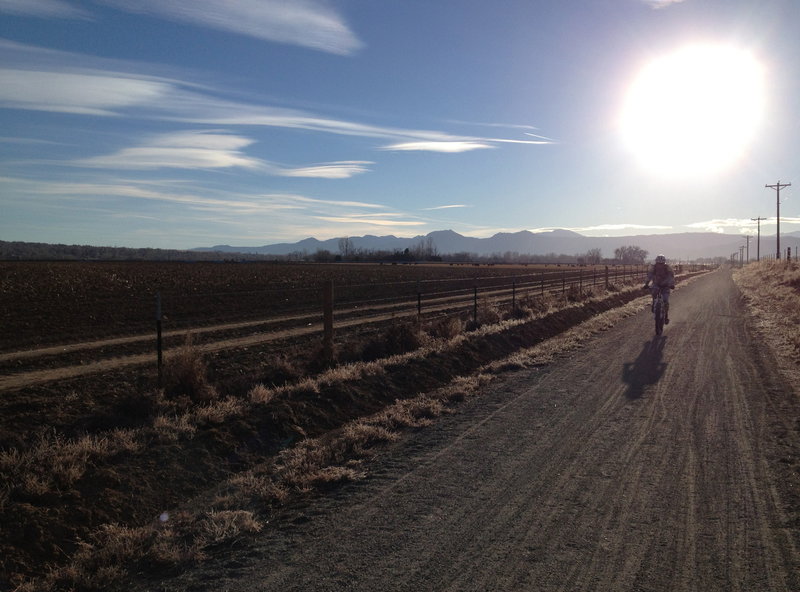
{"points": [[636, 463]]}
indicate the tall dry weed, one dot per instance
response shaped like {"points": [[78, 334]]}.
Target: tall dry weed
{"points": [[186, 374]]}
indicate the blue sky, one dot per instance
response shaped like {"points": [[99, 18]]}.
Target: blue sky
{"points": [[186, 123]]}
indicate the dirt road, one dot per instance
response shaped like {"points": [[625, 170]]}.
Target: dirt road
{"points": [[637, 463]]}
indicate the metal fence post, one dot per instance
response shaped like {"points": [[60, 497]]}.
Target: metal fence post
{"points": [[327, 316], [513, 295], [158, 341]]}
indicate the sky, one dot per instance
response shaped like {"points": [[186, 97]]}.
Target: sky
{"points": [[192, 123]]}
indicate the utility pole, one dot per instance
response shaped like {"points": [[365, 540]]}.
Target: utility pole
{"points": [[758, 242], [741, 256], [748, 237], [777, 187]]}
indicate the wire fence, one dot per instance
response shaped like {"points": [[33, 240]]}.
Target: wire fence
{"points": [[117, 303]]}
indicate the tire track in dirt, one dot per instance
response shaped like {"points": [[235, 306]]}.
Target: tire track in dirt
{"points": [[637, 463]]}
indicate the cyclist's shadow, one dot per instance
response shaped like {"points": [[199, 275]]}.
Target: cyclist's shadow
{"points": [[647, 369]]}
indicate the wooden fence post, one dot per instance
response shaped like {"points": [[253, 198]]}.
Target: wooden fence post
{"points": [[327, 321]]}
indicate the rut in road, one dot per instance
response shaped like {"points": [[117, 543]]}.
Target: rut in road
{"points": [[636, 463]]}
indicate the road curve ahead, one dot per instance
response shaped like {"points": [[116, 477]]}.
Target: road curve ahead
{"points": [[635, 464]]}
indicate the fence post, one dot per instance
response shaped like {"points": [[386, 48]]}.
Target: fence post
{"points": [[327, 321], [158, 341], [606, 277], [513, 295]]}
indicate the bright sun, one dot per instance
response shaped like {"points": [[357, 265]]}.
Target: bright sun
{"points": [[694, 111]]}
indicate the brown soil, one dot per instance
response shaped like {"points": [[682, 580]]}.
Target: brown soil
{"points": [[640, 463]]}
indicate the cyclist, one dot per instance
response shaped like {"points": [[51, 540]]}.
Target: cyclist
{"points": [[663, 279]]}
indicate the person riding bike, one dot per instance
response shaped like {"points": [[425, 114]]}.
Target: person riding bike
{"points": [[663, 280]]}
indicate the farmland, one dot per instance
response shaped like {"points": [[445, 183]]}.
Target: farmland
{"points": [[46, 303], [112, 437]]}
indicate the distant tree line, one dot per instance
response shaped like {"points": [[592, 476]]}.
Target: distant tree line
{"points": [[423, 251]]}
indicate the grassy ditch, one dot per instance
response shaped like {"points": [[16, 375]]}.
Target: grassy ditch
{"points": [[772, 290], [204, 469]]}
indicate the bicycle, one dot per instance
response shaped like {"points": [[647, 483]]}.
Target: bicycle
{"points": [[659, 308], [659, 312]]}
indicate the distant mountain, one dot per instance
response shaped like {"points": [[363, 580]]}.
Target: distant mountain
{"points": [[682, 246]]}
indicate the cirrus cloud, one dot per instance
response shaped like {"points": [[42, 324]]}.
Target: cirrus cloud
{"points": [[307, 23]]}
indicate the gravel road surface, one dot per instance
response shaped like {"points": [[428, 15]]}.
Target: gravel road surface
{"points": [[638, 463]]}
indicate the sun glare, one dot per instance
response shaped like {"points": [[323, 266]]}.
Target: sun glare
{"points": [[694, 111]]}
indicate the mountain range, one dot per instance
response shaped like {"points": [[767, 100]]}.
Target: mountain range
{"points": [[677, 247]]}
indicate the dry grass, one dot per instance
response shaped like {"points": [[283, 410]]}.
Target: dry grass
{"points": [[55, 462], [772, 291], [102, 562]]}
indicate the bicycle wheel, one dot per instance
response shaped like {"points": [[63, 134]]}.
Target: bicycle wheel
{"points": [[658, 313]]}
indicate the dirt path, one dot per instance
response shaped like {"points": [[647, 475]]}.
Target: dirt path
{"points": [[638, 463]]}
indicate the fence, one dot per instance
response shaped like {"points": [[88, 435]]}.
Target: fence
{"points": [[359, 304]]}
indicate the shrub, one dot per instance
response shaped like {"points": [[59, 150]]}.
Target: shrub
{"points": [[399, 338], [447, 328], [185, 374]]}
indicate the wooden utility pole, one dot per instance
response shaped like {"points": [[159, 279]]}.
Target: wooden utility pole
{"points": [[747, 238], [758, 241], [777, 187]]}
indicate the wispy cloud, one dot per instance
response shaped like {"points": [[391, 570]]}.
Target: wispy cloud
{"points": [[330, 170], [43, 9], [428, 146], [62, 82], [445, 207], [81, 93], [184, 150], [381, 222], [186, 194], [657, 4], [211, 149], [255, 217], [307, 23], [742, 225]]}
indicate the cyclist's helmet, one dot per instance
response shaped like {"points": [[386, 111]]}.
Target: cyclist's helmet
{"points": [[661, 259]]}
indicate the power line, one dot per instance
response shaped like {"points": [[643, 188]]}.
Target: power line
{"points": [[777, 187]]}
